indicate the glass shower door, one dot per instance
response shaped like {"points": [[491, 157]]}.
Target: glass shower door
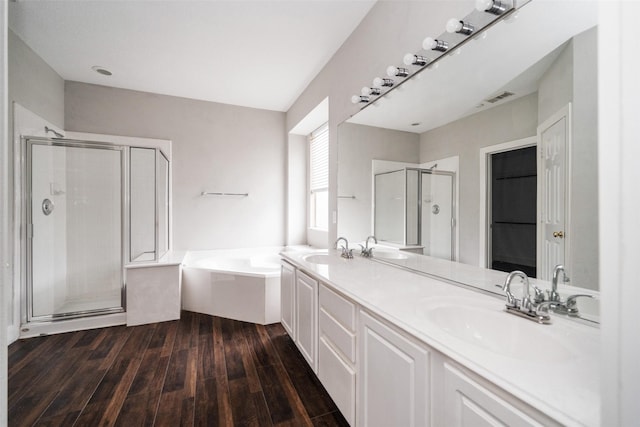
{"points": [[74, 229], [437, 224]]}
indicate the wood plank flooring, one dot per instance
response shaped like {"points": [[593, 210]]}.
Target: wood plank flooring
{"points": [[198, 371]]}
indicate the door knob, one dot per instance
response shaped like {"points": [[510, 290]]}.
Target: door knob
{"points": [[559, 234]]}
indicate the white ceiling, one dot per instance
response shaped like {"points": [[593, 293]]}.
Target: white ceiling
{"points": [[260, 53]]}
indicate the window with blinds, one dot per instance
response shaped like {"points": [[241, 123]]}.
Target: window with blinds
{"points": [[319, 178]]}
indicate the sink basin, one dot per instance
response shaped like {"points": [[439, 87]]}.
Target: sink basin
{"points": [[499, 332], [382, 254], [323, 259]]}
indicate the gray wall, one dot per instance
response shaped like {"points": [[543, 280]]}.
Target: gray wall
{"points": [[465, 137], [36, 86], [358, 146], [216, 147]]}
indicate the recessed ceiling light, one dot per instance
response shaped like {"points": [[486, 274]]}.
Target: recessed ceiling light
{"points": [[101, 70]]}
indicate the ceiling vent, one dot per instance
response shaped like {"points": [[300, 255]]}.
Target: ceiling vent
{"points": [[502, 96]]}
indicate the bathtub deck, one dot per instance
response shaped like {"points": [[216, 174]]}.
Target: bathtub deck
{"points": [[200, 370]]}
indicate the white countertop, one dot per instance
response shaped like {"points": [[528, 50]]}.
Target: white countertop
{"points": [[554, 368]]}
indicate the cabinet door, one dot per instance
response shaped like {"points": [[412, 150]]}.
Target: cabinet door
{"points": [[339, 379], [287, 301], [468, 403], [393, 376], [306, 319]]}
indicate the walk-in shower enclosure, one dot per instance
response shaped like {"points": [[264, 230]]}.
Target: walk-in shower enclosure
{"points": [[81, 200]]}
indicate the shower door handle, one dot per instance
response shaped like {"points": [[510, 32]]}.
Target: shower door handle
{"points": [[47, 207]]}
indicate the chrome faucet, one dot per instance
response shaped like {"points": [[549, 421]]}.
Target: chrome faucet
{"points": [[533, 309], [346, 252], [568, 307], [511, 299], [553, 294], [366, 250]]}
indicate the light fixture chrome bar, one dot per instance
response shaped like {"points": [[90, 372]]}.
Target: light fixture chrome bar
{"points": [[495, 7], [384, 82], [458, 26], [411, 59], [366, 90], [393, 71]]}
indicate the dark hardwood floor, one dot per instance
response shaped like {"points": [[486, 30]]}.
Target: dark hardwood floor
{"points": [[198, 371]]}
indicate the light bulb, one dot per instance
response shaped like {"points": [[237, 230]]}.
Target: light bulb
{"points": [[433, 44], [454, 25], [391, 71], [408, 59], [429, 43], [366, 91], [356, 99], [482, 5], [378, 82]]}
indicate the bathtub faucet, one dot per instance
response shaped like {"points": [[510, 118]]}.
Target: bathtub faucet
{"points": [[346, 252]]}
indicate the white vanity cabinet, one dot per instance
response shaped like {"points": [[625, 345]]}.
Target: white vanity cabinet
{"points": [[337, 350], [306, 317], [393, 377], [380, 375], [470, 401], [287, 297]]}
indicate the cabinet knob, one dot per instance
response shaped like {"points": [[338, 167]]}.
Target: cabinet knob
{"points": [[559, 234]]}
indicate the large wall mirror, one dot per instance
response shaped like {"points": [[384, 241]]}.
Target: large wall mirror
{"points": [[503, 135]]}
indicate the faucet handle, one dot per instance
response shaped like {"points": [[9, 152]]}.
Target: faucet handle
{"points": [[538, 295], [364, 251], [572, 308]]}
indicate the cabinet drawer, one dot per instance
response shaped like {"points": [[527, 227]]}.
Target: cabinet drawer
{"points": [[339, 379], [344, 340], [339, 308]]}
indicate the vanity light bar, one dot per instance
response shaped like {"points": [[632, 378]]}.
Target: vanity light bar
{"points": [[441, 45]]}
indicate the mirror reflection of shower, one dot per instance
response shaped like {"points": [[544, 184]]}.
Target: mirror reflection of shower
{"points": [[414, 209]]}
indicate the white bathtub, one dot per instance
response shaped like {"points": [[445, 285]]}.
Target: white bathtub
{"points": [[239, 284]]}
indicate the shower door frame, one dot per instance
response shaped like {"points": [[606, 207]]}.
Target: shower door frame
{"points": [[454, 219], [27, 202]]}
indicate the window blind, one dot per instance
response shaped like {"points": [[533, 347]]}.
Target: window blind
{"points": [[319, 159]]}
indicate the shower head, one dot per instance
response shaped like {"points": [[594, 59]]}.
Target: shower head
{"points": [[57, 134]]}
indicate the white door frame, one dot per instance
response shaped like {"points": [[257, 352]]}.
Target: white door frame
{"points": [[564, 112], [485, 154]]}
